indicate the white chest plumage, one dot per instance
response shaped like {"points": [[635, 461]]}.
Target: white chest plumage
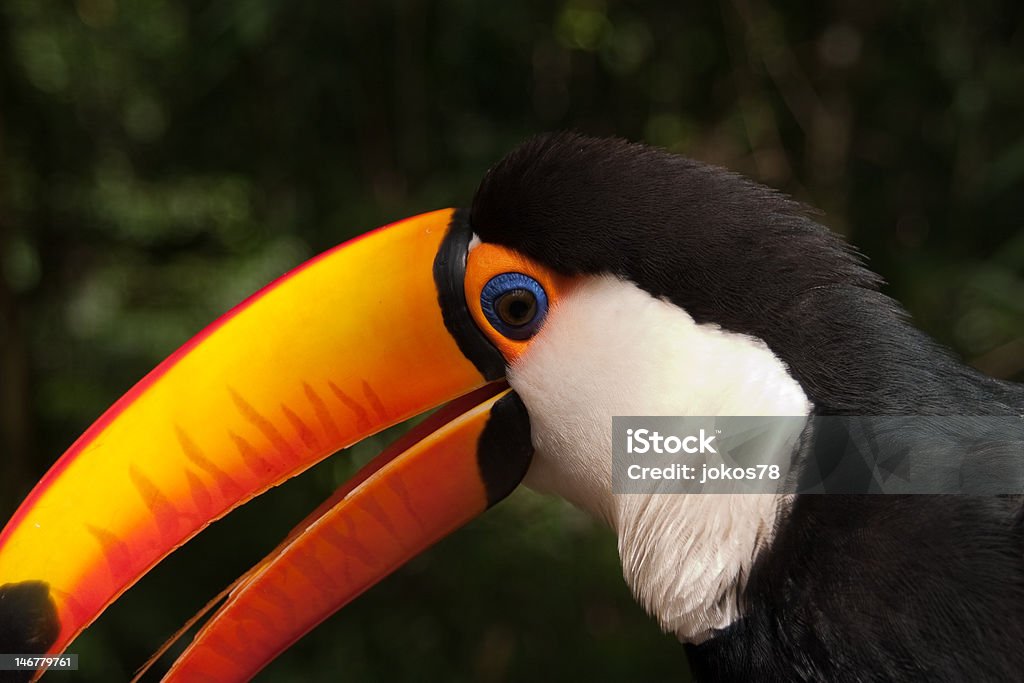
{"points": [[609, 348]]}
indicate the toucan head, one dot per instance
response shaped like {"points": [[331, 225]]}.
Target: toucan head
{"points": [[589, 278]]}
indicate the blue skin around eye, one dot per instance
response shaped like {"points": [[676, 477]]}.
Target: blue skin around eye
{"points": [[506, 282]]}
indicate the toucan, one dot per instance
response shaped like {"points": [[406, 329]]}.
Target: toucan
{"points": [[589, 278]]}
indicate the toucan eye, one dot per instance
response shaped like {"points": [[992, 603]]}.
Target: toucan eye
{"points": [[515, 304]]}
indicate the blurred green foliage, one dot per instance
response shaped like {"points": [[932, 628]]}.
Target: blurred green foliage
{"points": [[161, 159]]}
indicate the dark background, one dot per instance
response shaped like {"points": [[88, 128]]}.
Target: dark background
{"points": [[161, 159]]}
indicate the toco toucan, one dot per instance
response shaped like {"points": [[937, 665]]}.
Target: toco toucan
{"points": [[589, 278]]}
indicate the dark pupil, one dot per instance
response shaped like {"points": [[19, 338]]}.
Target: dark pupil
{"points": [[517, 307]]}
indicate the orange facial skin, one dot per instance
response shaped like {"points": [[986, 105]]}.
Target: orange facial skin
{"points": [[487, 260]]}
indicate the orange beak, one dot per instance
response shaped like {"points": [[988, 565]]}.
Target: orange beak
{"points": [[358, 339]]}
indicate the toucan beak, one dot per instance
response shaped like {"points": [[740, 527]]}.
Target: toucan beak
{"points": [[353, 341]]}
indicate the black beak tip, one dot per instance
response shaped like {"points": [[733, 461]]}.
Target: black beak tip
{"points": [[28, 623]]}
